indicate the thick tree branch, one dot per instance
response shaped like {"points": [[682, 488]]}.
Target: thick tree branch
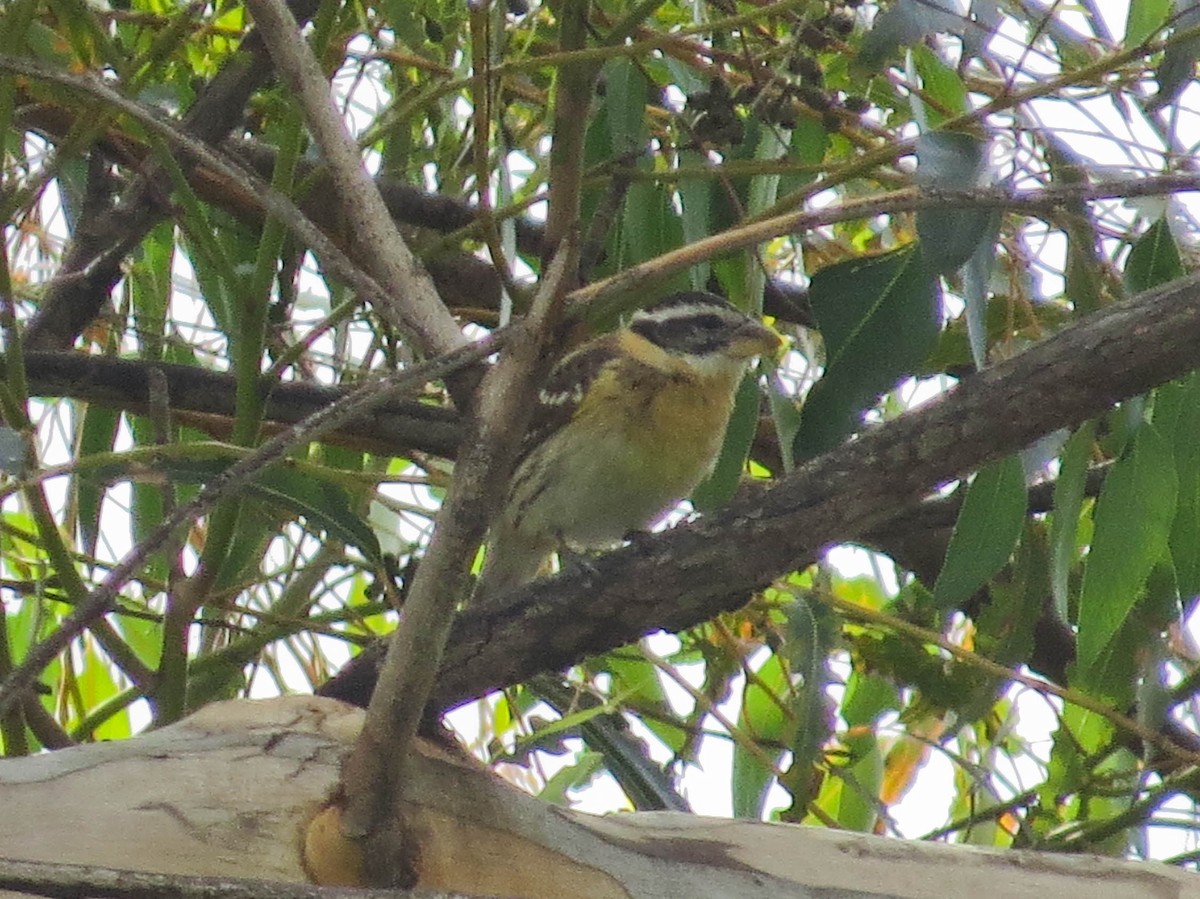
{"points": [[270, 762], [42, 879], [693, 572]]}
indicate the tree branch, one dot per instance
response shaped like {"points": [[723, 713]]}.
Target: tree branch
{"points": [[205, 399], [45, 879], [689, 574], [409, 299], [1043, 203], [375, 769]]}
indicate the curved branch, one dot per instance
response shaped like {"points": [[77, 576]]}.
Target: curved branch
{"points": [[408, 299], [689, 574]]}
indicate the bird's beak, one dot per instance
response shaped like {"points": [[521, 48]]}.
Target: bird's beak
{"points": [[755, 339]]}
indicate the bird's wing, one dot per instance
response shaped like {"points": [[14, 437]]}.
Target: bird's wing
{"points": [[563, 392]]}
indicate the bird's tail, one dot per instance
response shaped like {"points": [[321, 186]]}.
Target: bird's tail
{"points": [[512, 559]]}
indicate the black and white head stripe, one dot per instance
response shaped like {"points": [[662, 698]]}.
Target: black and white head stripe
{"points": [[694, 323]]}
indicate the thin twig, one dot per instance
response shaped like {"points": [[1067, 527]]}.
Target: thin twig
{"points": [[572, 98], [1042, 203], [333, 260]]}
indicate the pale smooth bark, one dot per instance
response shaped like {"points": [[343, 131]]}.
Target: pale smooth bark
{"points": [[229, 792]]}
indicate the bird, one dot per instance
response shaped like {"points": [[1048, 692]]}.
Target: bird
{"points": [[625, 427]]}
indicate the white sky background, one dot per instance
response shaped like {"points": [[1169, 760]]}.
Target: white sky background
{"points": [[1115, 139]]}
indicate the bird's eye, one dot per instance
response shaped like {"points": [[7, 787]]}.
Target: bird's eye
{"points": [[709, 322]]}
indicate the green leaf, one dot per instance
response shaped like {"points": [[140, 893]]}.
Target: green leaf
{"points": [[572, 777], [718, 489], [150, 289], [1006, 625], [987, 529], [695, 200], [597, 150], [149, 506], [1178, 66], [255, 527], [809, 641], [637, 681], [625, 753], [785, 415], [45, 44], [949, 237], [1185, 441], [808, 146], [650, 227], [850, 793], [407, 21], [684, 76], [1154, 259], [625, 97], [762, 720], [976, 273], [903, 23], [214, 272], [1069, 491], [1081, 733], [324, 504], [96, 685], [144, 637], [764, 189], [97, 434], [73, 188], [868, 697], [730, 272], [941, 87], [879, 317], [1144, 19], [1132, 524]]}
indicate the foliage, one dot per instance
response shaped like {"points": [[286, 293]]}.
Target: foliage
{"points": [[1069, 574]]}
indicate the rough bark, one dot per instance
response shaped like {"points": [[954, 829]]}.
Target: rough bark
{"points": [[701, 569]]}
